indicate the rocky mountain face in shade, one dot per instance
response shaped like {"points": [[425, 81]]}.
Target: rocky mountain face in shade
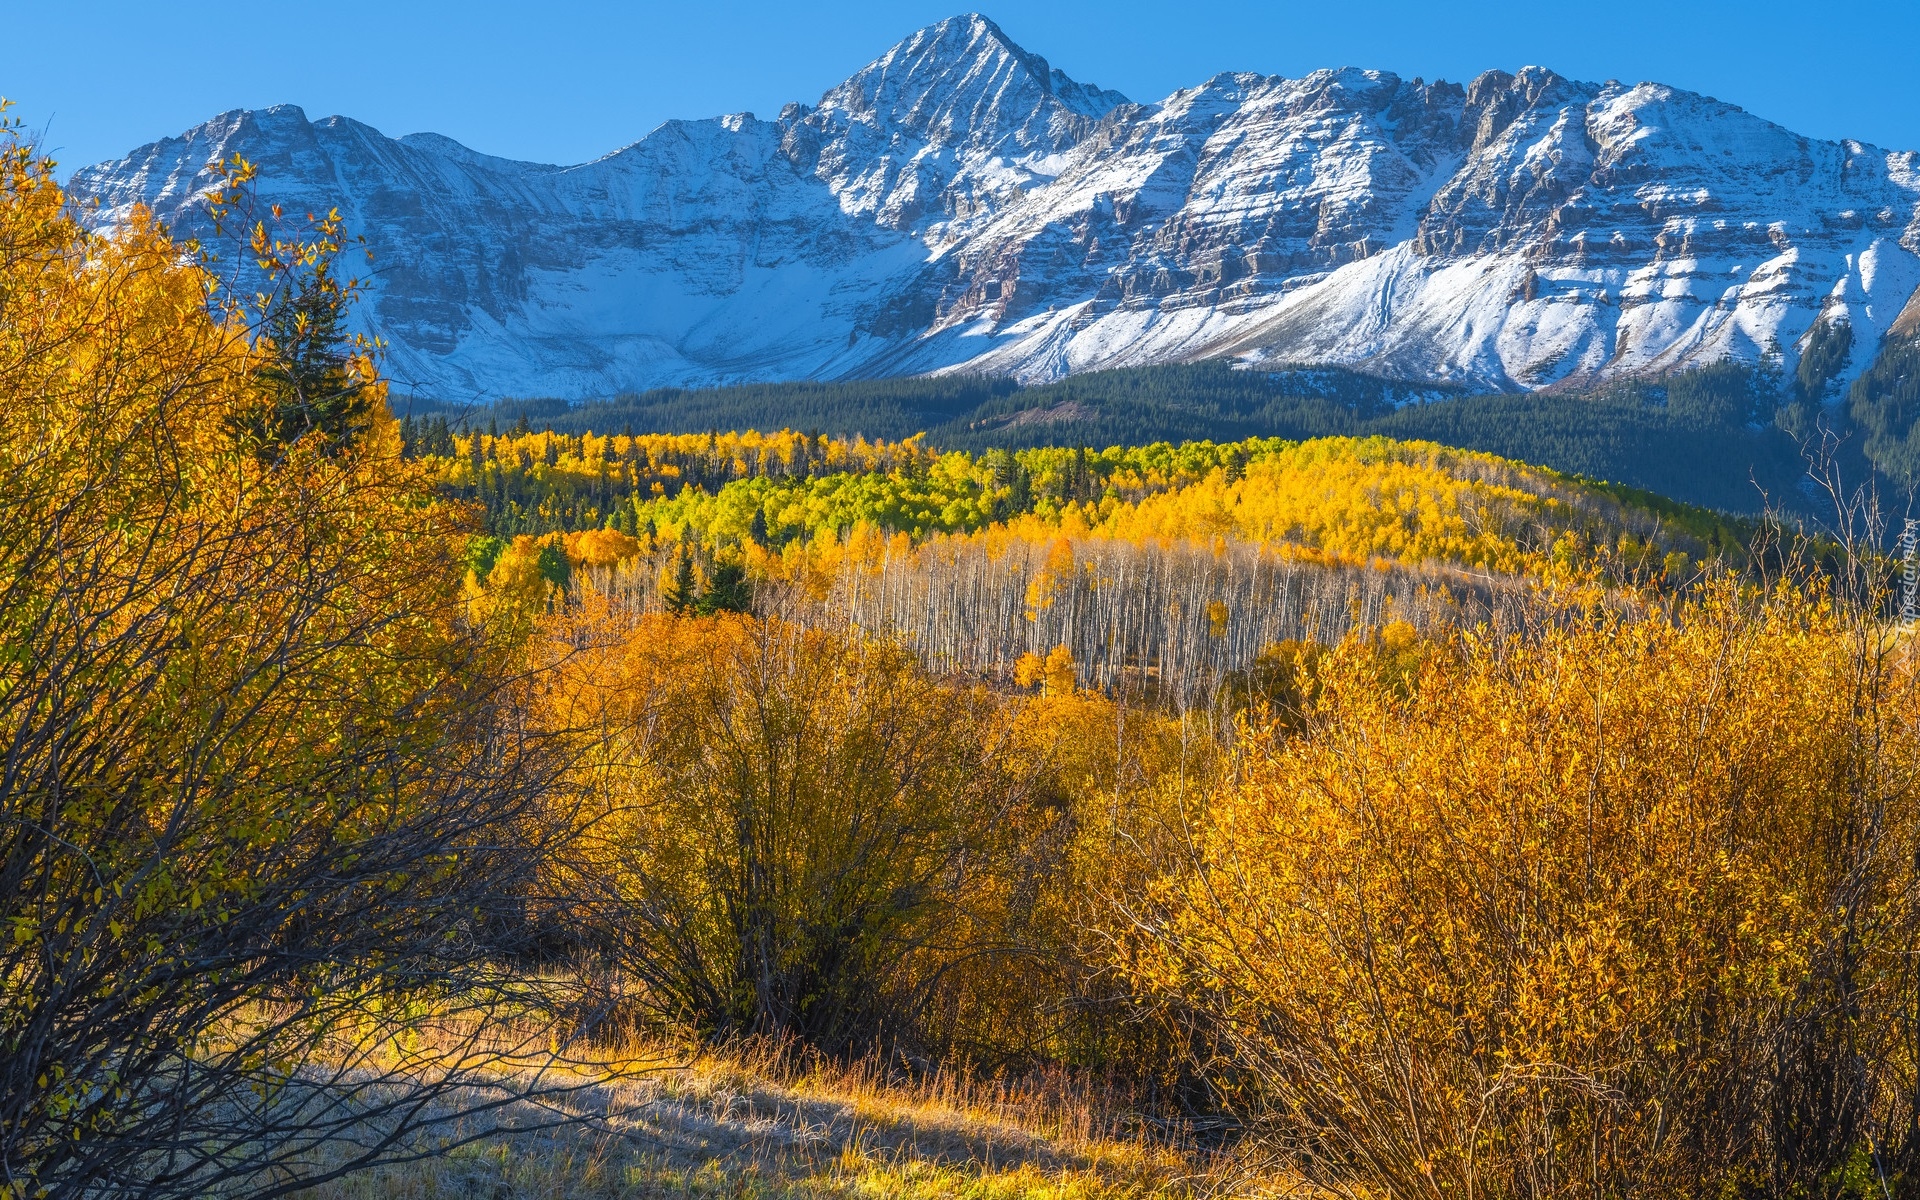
{"points": [[959, 205]]}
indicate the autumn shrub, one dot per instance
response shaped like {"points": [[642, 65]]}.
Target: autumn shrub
{"points": [[1278, 687], [803, 833], [1625, 905], [787, 822], [1104, 786], [261, 782]]}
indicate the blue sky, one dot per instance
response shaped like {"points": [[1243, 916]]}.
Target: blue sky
{"points": [[564, 82]]}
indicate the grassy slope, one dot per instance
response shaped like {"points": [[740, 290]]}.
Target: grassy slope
{"points": [[752, 1125]]}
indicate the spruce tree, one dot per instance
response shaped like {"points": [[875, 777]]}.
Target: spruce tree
{"points": [[727, 591], [315, 378], [683, 594]]}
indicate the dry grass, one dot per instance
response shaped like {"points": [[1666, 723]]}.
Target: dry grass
{"points": [[763, 1123]]}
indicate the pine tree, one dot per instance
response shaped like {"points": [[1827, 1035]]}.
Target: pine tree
{"points": [[727, 591], [553, 566], [1829, 345], [682, 595], [317, 378]]}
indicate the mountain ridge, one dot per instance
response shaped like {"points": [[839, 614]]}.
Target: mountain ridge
{"points": [[960, 205]]}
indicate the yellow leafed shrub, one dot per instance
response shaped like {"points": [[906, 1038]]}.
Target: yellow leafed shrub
{"points": [[254, 782], [804, 833], [1624, 907]]}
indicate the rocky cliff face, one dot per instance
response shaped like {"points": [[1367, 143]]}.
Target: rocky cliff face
{"points": [[960, 205]]}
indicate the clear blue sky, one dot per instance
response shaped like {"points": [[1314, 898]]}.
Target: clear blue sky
{"points": [[564, 82]]}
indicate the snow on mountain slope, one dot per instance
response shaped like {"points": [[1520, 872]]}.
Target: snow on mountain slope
{"points": [[959, 205], [943, 126], [693, 255], [1522, 232]]}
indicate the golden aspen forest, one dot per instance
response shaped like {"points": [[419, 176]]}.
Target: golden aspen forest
{"points": [[395, 808]]}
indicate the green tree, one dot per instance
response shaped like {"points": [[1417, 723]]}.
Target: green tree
{"points": [[316, 377], [727, 591], [553, 565], [1829, 345], [1885, 402], [683, 593]]}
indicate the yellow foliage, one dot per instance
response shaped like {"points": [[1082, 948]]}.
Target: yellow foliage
{"points": [[1533, 926], [887, 843], [1046, 583], [1346, 500], [237, 691], [1397, 636], [1054, 674], [1029, 669], [516, 591], [780, 815], [592, 458], [1058, 677], [1217, 615], [601, 547]]}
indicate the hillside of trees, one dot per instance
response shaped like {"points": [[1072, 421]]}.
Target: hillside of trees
{"points": [[1353, 815], [774, 487], [1728, 437], [1171, 564], [1884, 403]]}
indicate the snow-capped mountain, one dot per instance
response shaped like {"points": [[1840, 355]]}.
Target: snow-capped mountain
{"points": [[960, 205]]}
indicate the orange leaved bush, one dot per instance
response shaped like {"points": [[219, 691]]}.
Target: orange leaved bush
{"points": [[789, 828], [1623, 906], [803, 833]]}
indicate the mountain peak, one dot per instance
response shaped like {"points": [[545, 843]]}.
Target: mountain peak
{"points": [[955, 118], [970, 35], [961, 44], [964, 79]]}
